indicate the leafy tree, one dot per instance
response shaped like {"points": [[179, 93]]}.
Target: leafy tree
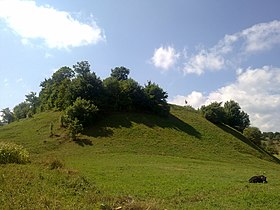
{"points": [[135, 94], [244, 121], [234, 117], [253, 134], [82, 110], [113, 91], [62, 74], [155, 93], [56, 91], [268, 135], [21, 110], [82, 68], [214, 112], [123, 95], [7, 115], [33, 101], [129, 94], [120, 73], [89, 87], [156, 98]]}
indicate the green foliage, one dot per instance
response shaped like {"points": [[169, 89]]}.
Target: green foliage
{"points": [[253, 134], [21, 110], [74, 127], [156, 99], [81, 114], [120, 73], [82, 110], [124, 95], [214, 112], [271, 136], [82, 68], [56, 91], [235, 117], [33, 101], [270, 147], [13, 153], [7, 115], [89, 87], [27, 108], [230, 114], [115, 93], [155, 93], [62, 74]]}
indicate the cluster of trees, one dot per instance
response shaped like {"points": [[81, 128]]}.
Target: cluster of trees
{"points": [[274, 136], [116, 93], [22, 110], [269, 141], [230, 114], [82, 95]]}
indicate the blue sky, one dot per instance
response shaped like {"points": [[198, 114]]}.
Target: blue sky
{"points": [[196, 50]]}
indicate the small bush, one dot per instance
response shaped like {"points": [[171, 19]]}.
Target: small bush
{"points": [[55, 164], [13, 153]]}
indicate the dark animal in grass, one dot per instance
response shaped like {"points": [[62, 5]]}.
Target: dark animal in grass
{"points": [[258, 179]]}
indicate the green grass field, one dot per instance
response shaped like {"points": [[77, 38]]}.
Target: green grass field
{"points": [[137, 161]]}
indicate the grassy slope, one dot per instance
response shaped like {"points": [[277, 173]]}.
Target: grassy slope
{"points": [[176, 163]]}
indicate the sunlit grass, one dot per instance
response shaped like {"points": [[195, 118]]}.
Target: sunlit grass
{"points": [[136, 161]]}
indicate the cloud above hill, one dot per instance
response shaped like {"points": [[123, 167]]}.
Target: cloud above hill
{"points": [[227, 53], [258, 38], [56, 29], [256, 91], [165, 57]]}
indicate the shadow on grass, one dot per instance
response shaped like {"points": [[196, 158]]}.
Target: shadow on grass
{"points": [[105, 127], [246, 141], [83, 142]]}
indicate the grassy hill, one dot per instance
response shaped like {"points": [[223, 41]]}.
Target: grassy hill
{"points": [[137, 161]]}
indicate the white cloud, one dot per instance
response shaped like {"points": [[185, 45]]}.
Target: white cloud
{"points": [[256, 91], [195, 99], [165, 58], [261, 36], [19, 80], [233, 48], [204, 60], [57, 29]]}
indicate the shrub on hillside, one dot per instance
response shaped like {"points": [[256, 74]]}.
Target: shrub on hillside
{"points": [[56, 164], [82, 110], [214, 112], [13, 153]]}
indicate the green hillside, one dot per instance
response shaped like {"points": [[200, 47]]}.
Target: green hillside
{"points": [[137, 161]]}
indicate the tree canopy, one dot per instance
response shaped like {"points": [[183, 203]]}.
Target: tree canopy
{"points": [[230, 114], [253, 134], [120, 73], [7, 115], [214, 112], [80, 94]]}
